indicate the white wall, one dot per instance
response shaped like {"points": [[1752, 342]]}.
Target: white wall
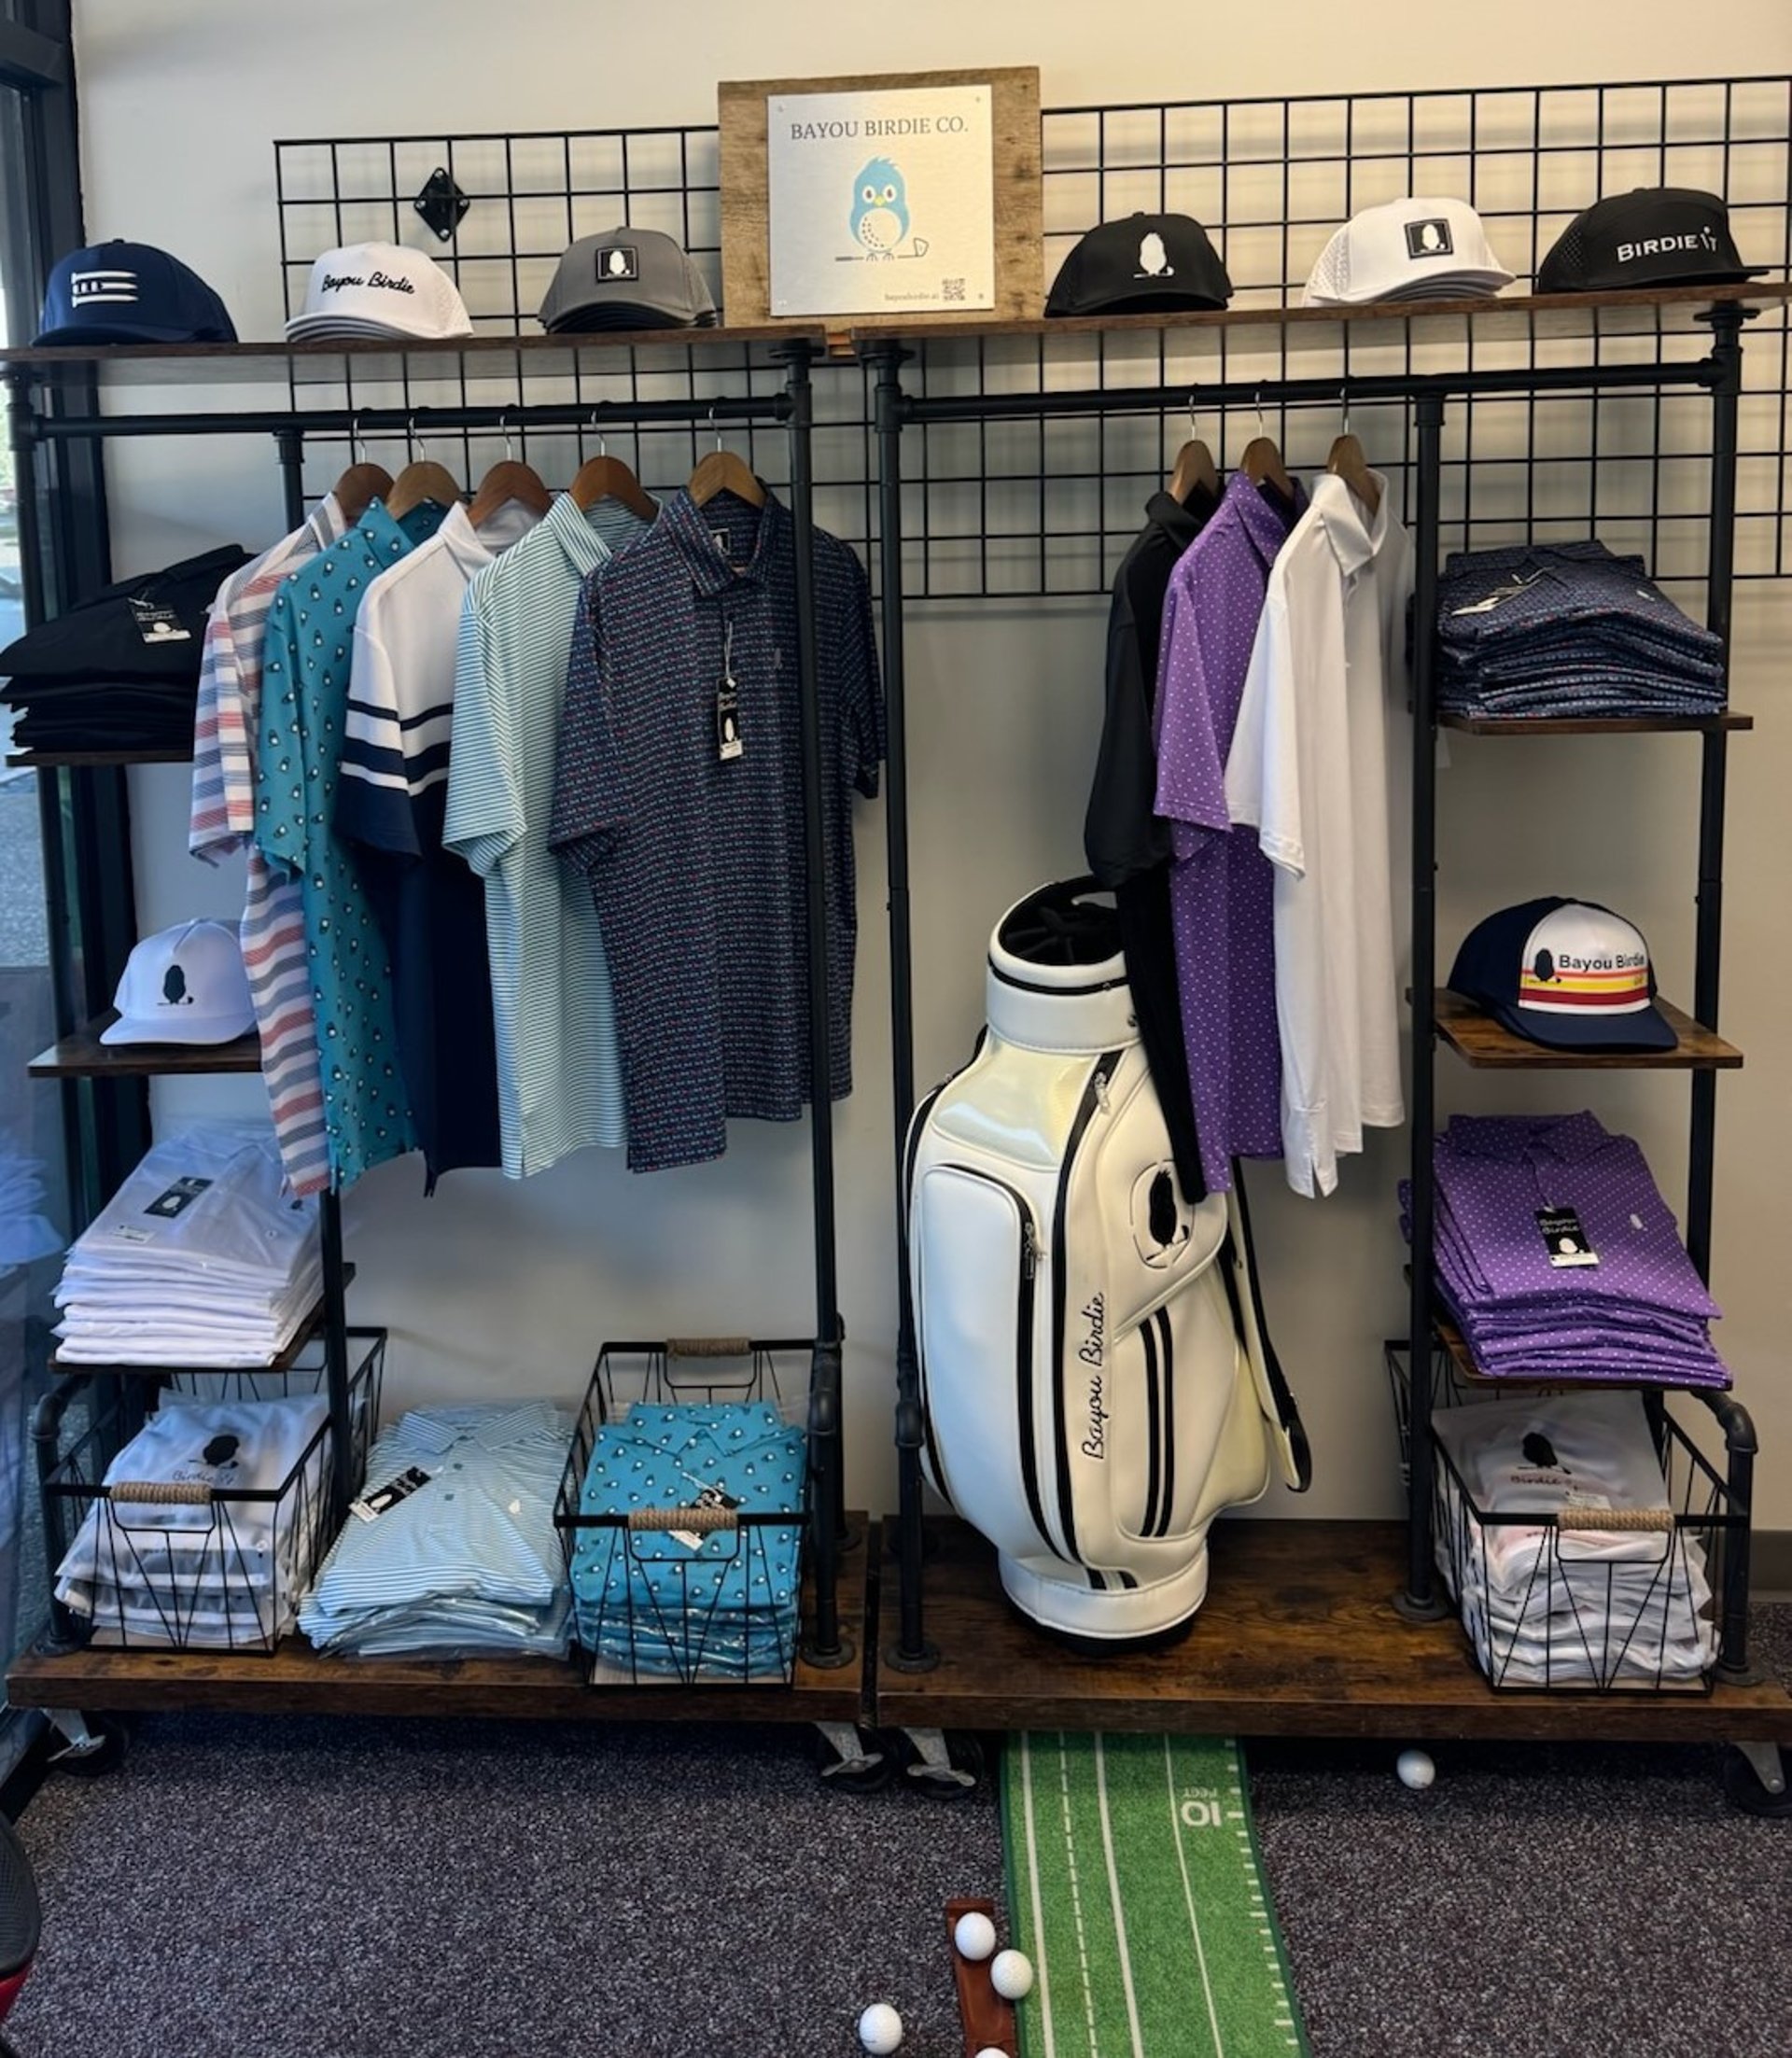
{"points": [[497, 1287]]}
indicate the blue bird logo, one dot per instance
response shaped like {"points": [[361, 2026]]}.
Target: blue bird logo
{"points": [[879, 209]]}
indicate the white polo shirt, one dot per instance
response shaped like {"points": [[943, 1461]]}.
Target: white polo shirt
{"points": [[1308, 769]]}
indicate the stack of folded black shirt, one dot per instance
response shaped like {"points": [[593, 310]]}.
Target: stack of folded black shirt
{"points": [[119, 671], [1569, 629]]}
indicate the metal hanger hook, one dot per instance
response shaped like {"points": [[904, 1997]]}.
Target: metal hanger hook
{"points": [[715, 424], [411, 445], [1194, 424], [596, 429], [504, 430], [354, 437], [1344, 403], [1257, 403]]}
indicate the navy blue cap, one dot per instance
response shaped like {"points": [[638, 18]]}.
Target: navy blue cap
{"points": [[1569, 974], [130, 292]]}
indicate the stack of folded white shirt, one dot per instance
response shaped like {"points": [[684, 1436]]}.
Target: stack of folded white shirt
{"points": [[1548, 1606], [201, 1258], [450, 1550], [223, 1574]]}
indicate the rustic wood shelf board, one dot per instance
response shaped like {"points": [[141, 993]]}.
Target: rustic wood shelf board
{"points": [[298, 1680], [50, 761], [1478, 1040], [1594, 726], [1298, 1637], [82, 1056]]}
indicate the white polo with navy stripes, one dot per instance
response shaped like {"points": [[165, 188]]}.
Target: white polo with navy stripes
{"points": [[559, 1072], [390, 804]]}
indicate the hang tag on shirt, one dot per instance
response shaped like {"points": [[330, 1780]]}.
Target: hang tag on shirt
{"points": [[1563, 1238], [728, 742], [709, 1497], [159, 625], [371, 1507], [175, 1200]]}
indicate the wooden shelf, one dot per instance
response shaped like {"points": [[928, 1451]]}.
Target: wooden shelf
{"points": [[1298, 1637], [1550, 315], [1541, 315], [1617, 725], [45, 761], [1480, 1041], [388, 360], [309, 1331], [82, 1056], [298, 1680]]}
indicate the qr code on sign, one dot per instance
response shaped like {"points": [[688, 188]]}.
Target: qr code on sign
{"points": [[952, 289]]}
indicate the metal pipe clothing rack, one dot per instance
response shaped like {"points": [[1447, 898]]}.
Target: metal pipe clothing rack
{"points": [[31, 426], [1718, 373]]}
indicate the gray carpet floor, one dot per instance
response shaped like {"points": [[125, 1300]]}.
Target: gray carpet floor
{"points": [[254, 1889]]}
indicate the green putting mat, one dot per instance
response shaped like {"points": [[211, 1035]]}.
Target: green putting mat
{"points": [[1136, 1886]]}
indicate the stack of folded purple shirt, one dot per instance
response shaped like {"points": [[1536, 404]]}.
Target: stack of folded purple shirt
{"points": [[1640, 1314]]}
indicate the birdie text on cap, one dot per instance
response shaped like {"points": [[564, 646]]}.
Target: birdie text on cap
{"points": [[334, 282]]}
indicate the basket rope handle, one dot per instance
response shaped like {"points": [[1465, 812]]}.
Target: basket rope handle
{"points": [[708, 1347], [162, 1493], [1578, 1514], [702, 1520]]}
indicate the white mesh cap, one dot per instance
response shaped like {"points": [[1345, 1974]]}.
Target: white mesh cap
{"points": [[1419, 249], [367, 289]]}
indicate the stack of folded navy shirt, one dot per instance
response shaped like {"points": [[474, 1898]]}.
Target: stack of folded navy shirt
{"points": [[119, 671], [1640, 1313], [1568, 629], [676, 1605]]}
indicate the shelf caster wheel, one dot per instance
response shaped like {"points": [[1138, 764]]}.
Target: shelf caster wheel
{"points": [[1754, 1781], [92, 1747], [853, 1760], [947, 1763]]}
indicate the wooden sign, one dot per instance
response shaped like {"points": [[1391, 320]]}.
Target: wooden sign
{"points": [[870, 200]]}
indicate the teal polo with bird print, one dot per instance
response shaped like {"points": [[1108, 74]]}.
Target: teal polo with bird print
{"points": [[307, 660]]}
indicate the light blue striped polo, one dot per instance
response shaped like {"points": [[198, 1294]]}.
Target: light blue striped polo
{"points": [[559, 1070]]}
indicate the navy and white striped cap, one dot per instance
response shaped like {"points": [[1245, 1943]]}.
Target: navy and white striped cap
{"points": [[130, 292]]}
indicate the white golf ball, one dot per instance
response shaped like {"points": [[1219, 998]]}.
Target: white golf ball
{"points": [[1012, 1975], [976, 1936], [993, 2051], [880, 2029], [1415, 1769]]}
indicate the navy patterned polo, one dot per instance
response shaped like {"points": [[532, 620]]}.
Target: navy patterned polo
{"points": [[689, 829]]}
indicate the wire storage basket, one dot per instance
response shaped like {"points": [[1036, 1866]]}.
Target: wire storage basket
{"points": [[1589, 1597], [196, 1564], [684, 1512]]}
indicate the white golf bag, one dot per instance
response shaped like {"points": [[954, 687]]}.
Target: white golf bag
{"points": [[1097, 1383]]}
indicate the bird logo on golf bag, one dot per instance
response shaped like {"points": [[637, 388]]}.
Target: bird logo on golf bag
{"points": [[879, 209]]}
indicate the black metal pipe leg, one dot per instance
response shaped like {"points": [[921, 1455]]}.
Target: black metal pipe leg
{"points": [[1420, 1600], [342, 1480], [911, 1651], [826, 1453]]}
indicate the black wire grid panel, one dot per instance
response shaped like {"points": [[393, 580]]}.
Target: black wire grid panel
{"points": [[1030, 506]]}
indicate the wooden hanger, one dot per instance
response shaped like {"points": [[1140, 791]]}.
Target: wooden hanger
{"points": [[607, 478], [424, 480], [1194, 465], [723, 471], [420, 480], [1347, 463], [509, 480], [1262, 460], [359, 487]]}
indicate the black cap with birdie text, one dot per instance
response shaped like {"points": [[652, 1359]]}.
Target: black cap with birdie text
{"points": [[1142, 264], [1657, 235], [627, 278]]}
